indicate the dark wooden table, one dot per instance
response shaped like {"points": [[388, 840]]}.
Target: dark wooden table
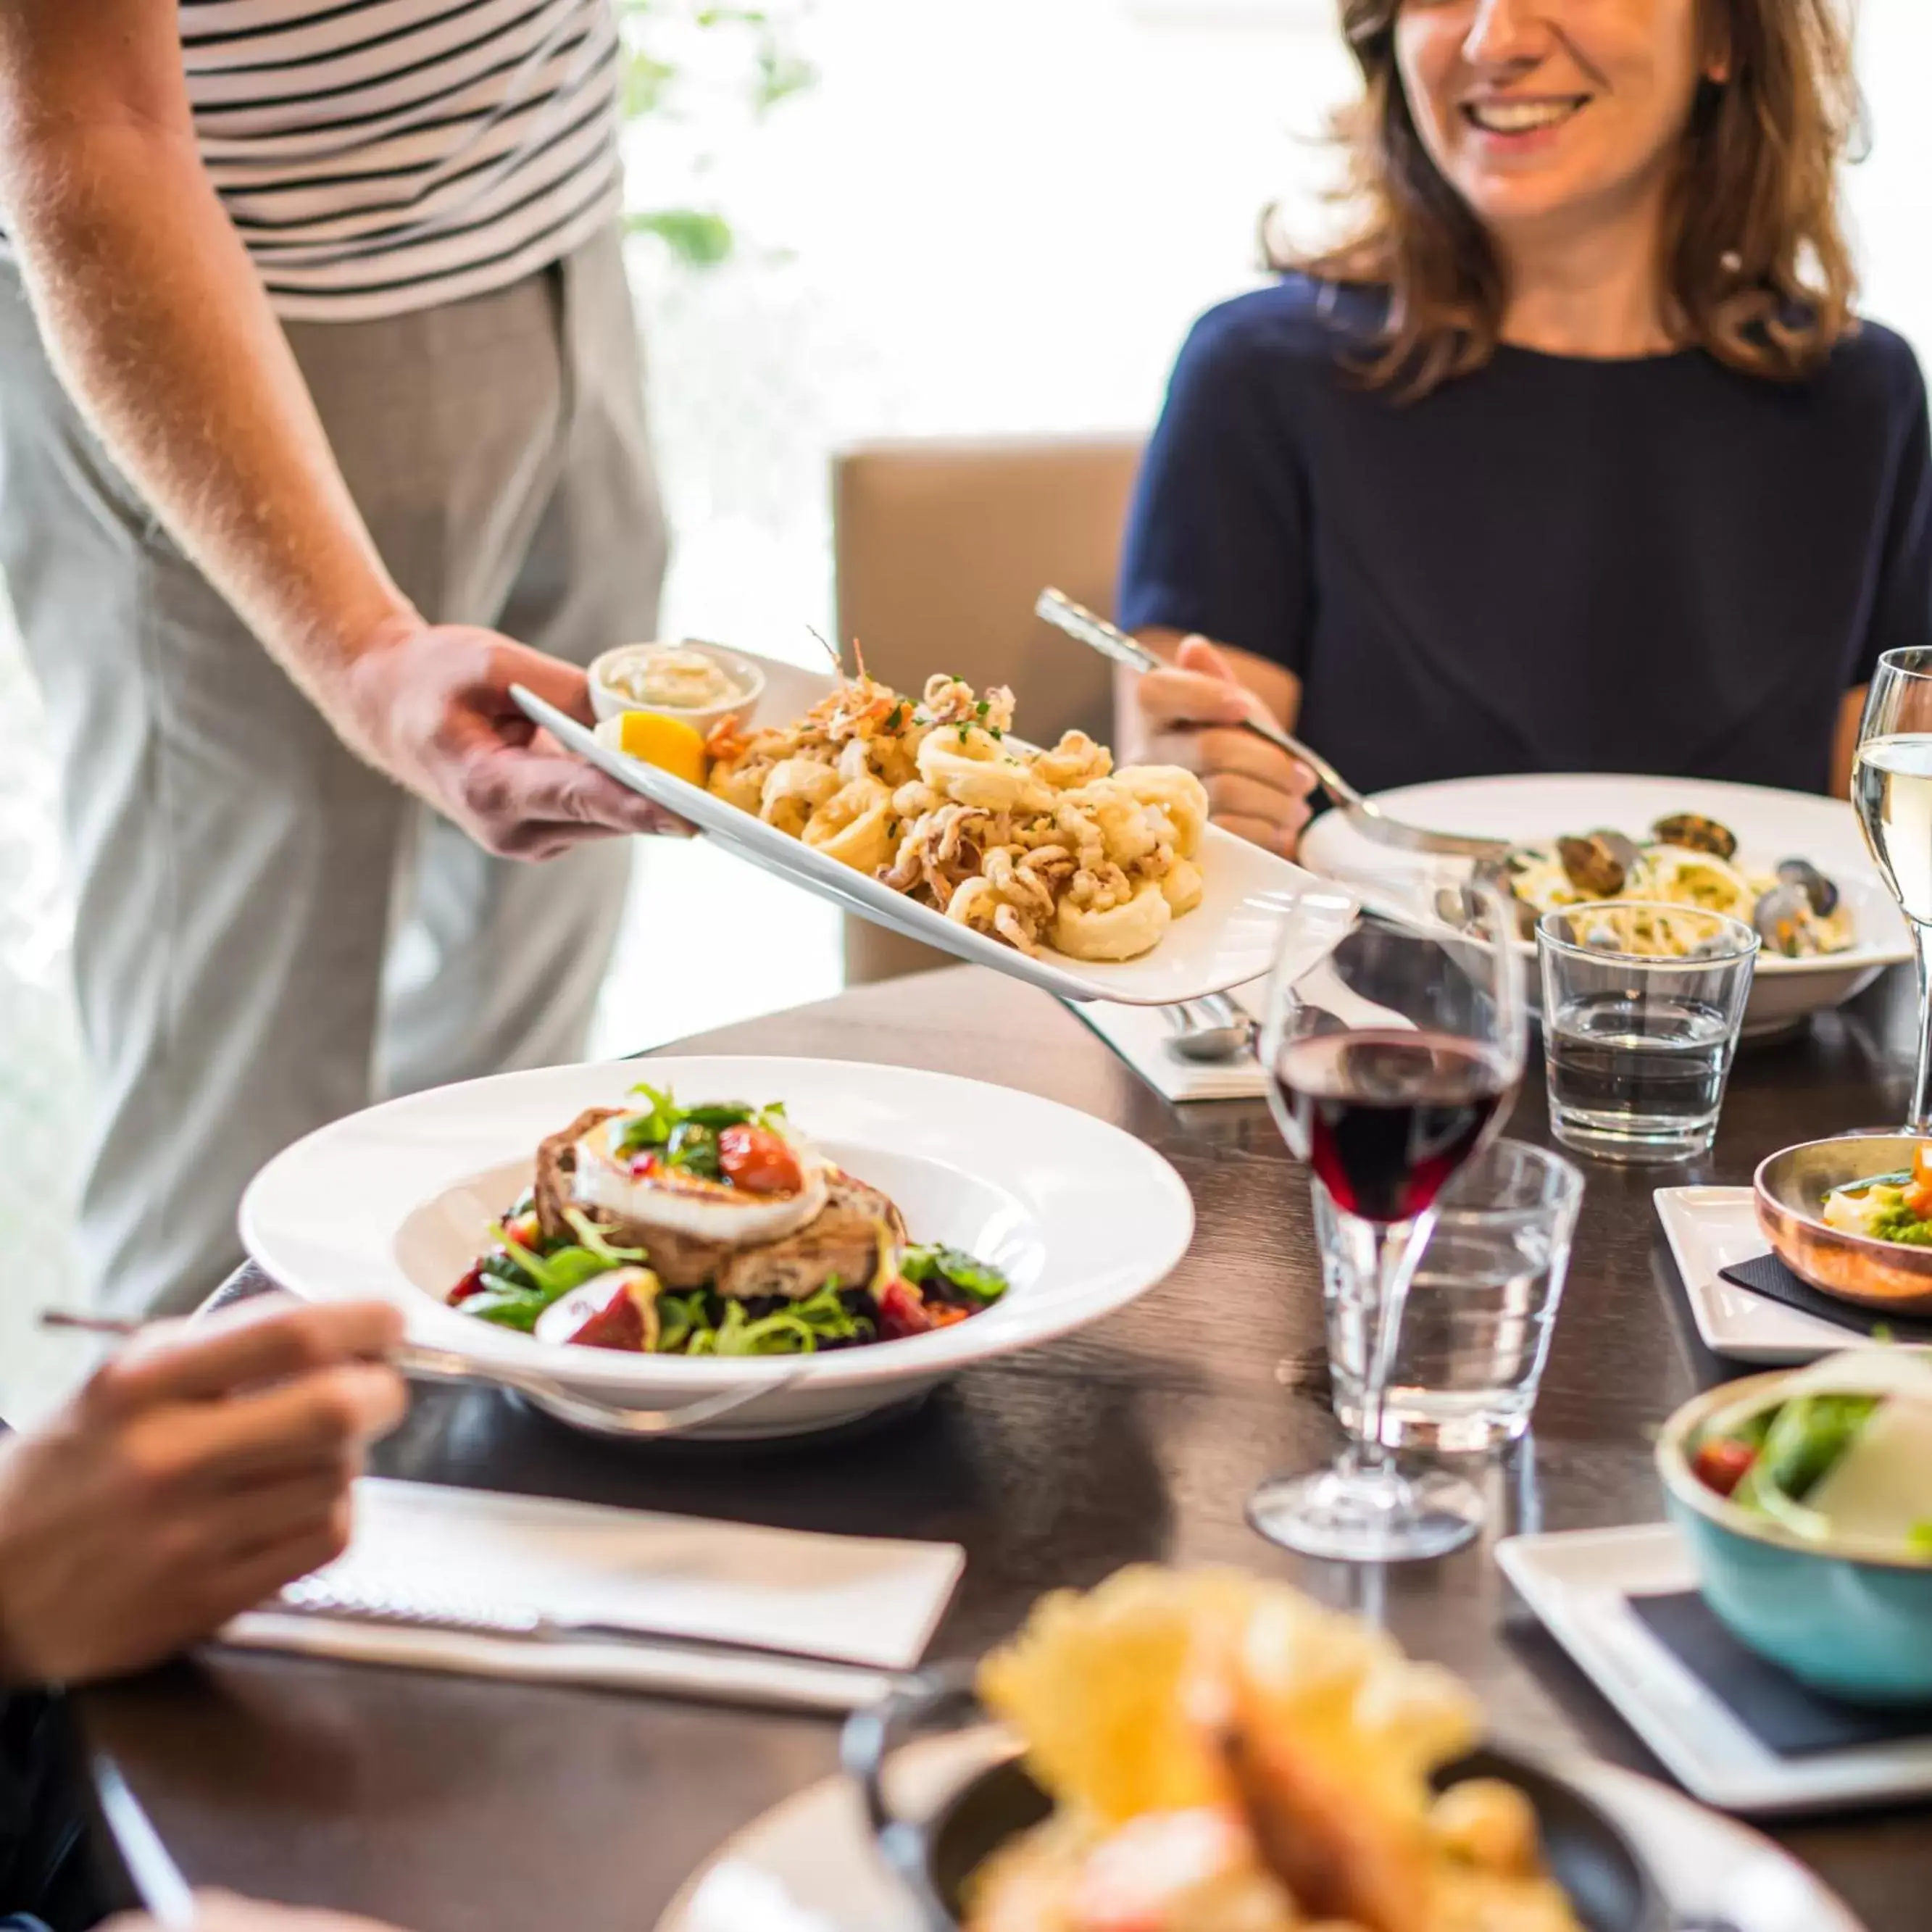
{"points": [[482, 1806]]}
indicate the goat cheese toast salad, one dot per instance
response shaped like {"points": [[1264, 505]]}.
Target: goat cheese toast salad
{"points": [[1839, 1453], [710, 1230]]}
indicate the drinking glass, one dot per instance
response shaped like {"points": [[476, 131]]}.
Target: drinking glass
{"points": [[1641, 1009], [1481, 1309], [1393, 1041], [1891, 788]]}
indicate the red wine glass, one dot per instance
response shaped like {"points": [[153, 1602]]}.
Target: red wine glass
{"points": [[1394, 1040]]}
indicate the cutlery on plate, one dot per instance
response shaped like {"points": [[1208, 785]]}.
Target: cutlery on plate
{"points": [[1209, 1029], [1078, 622], [420, 1364], [156, 1878]]}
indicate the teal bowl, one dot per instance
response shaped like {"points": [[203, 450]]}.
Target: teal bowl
{"points": [[1855, 1627]]}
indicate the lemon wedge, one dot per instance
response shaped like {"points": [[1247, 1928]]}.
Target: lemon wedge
{"points": [[669, 743]]}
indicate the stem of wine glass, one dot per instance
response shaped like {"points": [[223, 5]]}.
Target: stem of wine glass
{"points": [[1920, 1121], [1389, 1250]]}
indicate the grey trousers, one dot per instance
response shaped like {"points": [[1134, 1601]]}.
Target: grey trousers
{"points": [[269, 934]]}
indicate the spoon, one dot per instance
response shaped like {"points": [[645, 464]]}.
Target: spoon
{"points": [[1078, 622], [1212, 1029]]}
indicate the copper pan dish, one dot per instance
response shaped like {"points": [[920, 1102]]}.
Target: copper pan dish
{"points": [[1789, 1191]]}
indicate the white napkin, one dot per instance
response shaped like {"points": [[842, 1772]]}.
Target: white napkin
{"points": [[1140, 1034], [870, 1603]]}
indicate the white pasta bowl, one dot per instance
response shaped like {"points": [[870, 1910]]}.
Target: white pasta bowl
{"points": [[1770, 825], [396, 1201]]}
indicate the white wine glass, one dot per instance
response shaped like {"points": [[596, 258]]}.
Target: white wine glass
{"points": [[1393, 1041], [1891, 789]]}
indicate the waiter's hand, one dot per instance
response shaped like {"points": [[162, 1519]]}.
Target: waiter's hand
{"points": [[430, 704], [1189, 715], [193, 1476]]}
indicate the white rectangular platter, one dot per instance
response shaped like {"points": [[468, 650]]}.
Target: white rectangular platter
{"points": [[1228, 939]]}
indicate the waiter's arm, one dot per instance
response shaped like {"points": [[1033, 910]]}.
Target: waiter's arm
{"points": [[162, 333]]}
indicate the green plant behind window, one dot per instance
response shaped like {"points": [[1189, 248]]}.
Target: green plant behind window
{"points": [[677, 54]]}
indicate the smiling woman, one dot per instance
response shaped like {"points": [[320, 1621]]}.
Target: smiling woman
{"points": [[1500, 144], [1574, 457]]}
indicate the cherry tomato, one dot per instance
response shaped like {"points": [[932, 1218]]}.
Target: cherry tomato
{"points": [[471, 1284], [902, 1312], [1720, 1464], [757, 1162]]}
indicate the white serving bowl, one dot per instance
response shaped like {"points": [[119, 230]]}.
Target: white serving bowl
{"points": [[1770, 825], [609, 700], [395, 1202]]}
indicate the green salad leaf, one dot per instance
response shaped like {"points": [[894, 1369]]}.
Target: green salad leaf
{"points": [[551, 1276], [980, 1280], [689, 1135], [1804, 1438], [507, 1307]]}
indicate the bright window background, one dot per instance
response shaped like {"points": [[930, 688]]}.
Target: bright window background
{"points": [[985, 218]]}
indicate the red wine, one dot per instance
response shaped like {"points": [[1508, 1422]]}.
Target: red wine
{"points": [[1386, 1118]]}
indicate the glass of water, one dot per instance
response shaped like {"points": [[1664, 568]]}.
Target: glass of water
{"points": [[1482, 1305], [1641, 1008]]}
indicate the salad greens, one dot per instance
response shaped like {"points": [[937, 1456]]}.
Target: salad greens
{"points": [[688, 1135], [1801, 1441], [923, 1267], [523, 1282], [1838, 1453], [797, 1329]]}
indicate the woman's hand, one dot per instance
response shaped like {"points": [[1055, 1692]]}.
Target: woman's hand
{"points": [[1189, 715], [192, 1477]]}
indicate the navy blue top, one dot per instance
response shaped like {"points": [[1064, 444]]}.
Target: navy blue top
{"points": [[1551, 565]]}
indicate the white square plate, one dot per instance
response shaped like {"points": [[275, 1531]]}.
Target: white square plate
{"points": [[1578, 1582], [1228, 938], [1710, 1228]]}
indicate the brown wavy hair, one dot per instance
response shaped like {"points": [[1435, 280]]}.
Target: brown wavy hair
{"points": [[1757, 270]]}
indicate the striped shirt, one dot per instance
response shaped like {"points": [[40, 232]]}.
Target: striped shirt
{"points": [[381, 155]]}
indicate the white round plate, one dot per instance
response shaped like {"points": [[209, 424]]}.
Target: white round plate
{"points": [[1770, 826], [394, 1202], [808, 1865]]}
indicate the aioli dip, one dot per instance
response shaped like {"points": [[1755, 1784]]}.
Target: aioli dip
{"points": [[671, 677]]}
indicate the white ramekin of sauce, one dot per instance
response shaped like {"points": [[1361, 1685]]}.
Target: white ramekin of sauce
{"points": [[700, 683]]}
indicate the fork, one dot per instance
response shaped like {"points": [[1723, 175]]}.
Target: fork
{"points": [[425, 1364], [1078, 622]]}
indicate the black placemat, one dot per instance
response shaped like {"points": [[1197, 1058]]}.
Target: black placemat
{"points": [[1768, 1276], [1783, 1714]]}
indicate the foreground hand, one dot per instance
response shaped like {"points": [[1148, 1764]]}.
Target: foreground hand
{"points": [[1189, 715], [431, 705], [193, 1476], [227, 1911]]}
